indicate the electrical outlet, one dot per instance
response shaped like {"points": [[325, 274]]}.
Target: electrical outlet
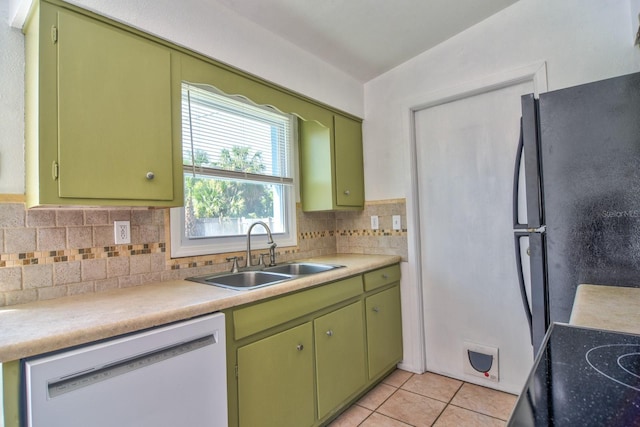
{"points": [[374, 222], [122, 232], [397, 224]]}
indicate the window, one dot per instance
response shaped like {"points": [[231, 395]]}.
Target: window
{"points": [[238, 169]]}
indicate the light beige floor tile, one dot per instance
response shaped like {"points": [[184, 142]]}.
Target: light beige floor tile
{"points": [[397, 378], [352, 417], [376, 396], [454, 416], [485, 400], [412, 408], [433, 385], [379, 420]]}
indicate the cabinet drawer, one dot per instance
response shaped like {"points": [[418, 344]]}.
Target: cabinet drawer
{"points": [[384, 276], [249, 320]]}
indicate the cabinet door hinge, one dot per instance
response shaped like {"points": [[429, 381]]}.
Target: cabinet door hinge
{"points": [[54, 34], [236, 371], [55, 170]]}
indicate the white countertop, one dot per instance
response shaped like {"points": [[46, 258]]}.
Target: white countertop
{"points": [[43, 326], [612, 308]]}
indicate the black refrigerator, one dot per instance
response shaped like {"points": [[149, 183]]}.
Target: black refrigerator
{"points": [[579, 162]]}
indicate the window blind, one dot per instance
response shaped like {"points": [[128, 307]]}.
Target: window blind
{"points": [[255, 138]]}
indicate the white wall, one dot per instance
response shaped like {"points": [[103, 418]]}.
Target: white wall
{"points": [[203, 26], [580, 40], [11, 105]]}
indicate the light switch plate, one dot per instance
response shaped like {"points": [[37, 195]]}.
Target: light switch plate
{"points": [[122, 232], [397, 222], [374, 222]]}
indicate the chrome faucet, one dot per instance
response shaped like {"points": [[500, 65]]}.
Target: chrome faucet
{"points": [[272, 245]]}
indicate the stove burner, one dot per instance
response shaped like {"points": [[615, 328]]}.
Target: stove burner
{"points": [[618, 362]]}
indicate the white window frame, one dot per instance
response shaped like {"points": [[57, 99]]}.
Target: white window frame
{"points": [[181, 246]]}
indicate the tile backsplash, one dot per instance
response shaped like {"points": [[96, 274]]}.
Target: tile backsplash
{"points": [[52, 253]]}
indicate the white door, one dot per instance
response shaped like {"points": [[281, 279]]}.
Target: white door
{"points": [[465, 160]]}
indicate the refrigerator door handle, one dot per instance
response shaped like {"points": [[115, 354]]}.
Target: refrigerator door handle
{"points": [[523, 291], [516, 178]]}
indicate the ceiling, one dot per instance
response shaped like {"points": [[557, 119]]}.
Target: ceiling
{"points": [[365, 38]]}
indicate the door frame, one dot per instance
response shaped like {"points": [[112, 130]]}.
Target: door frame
{"points": [[536, 73]]}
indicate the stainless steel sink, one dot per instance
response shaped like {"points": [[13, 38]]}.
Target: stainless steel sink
{"points": [[247, 280], [244, 280], [301, 268]]}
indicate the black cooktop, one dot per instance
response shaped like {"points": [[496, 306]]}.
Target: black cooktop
{"points": [[582, 377]]}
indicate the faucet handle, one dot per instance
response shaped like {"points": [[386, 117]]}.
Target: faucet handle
{"points": [[272, 254], [261, 262], [234, 266]]}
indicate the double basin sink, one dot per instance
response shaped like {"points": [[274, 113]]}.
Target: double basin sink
{"points": [[247, 280]]}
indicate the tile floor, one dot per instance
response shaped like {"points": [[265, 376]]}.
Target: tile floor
{"points": [[404, 399]]}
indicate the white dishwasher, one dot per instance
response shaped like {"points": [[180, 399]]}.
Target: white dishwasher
{"points": [[173, 375]]}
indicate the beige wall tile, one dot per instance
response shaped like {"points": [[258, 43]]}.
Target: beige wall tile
{"points": [[81, 288], [66, 218], [79, 237], [118, 266], [37, 276], [84, 244], [139, 217], [12, 215], [129, 281], [158, 262], [107, 284], [103, 235], [148, 234], [19, 240], [94, 269], [140, 264], [119, 215], [52, 239], [52, 292], [10, 279], [21, 297], [66, 272], [41, 218], [96, 217]]}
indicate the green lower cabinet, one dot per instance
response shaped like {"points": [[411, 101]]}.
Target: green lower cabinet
{"points": [[384, 330], [275, 380], [340, 356]]}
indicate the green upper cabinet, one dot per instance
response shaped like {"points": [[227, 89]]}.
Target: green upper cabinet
{"points": [[331, 165], [101, 125]]}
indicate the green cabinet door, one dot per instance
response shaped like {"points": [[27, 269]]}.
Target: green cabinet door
{"points": [[114, 117], [384, 330], [275, 380], [349, 180], [340, 356], [331, 167]]}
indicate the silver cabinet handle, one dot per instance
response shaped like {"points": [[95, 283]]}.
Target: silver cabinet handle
{"points": [[347, 192], [150, 175], [330, 333], [300, 347], [385, 276], [376, 309]]}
